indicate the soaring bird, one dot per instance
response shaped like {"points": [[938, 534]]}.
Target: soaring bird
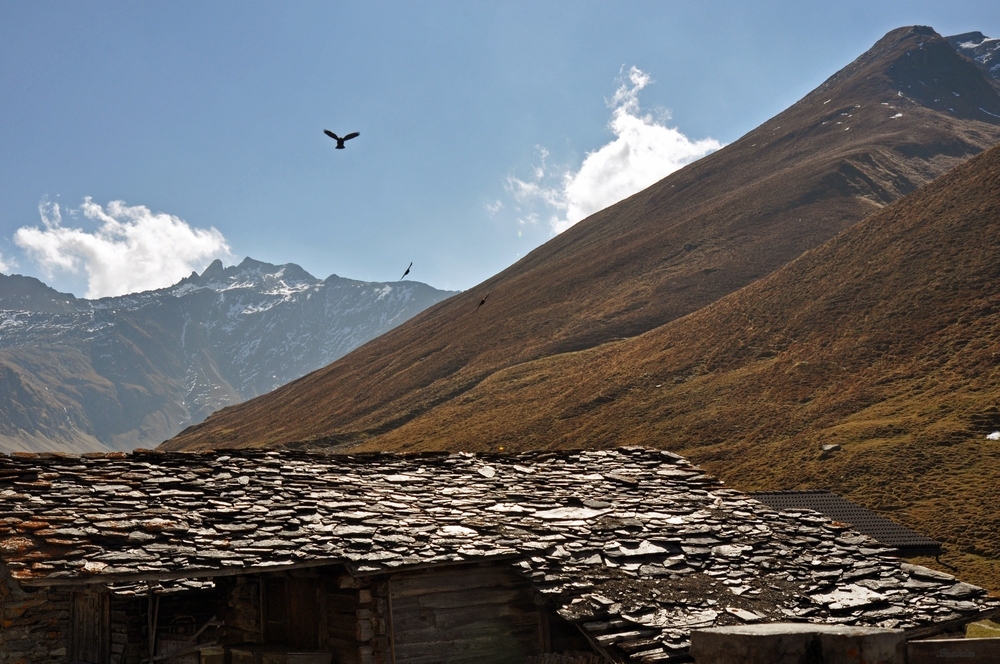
{"points": [[483, 301], [340, 141], [407, 270]]}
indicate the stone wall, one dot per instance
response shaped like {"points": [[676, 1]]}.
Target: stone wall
{"points": [[241, 613], [358, 620], [34, 626]]}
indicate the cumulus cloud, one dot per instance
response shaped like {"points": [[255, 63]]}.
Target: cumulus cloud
{"points": [[643, 151], [130, 248]]}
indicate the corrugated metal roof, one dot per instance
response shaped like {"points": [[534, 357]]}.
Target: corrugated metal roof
{"points": [[906, 541]]}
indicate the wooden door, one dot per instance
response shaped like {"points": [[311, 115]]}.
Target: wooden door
{"points": [[90, 620], [291, 608]]}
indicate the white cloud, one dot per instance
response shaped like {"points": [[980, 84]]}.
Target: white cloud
{"points": [[643, 151], [131, 249]]}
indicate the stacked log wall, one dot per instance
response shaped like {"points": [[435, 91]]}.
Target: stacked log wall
{"points": [[358, 627], [241, 614]]}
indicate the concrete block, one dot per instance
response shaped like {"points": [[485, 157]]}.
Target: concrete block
{"points": [[798, 643]]}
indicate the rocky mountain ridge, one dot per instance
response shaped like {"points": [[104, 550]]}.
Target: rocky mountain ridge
{"points": [[128, 371], [981, 49]]}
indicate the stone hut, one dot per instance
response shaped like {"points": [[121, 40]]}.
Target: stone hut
{"points": [[544, 557]]}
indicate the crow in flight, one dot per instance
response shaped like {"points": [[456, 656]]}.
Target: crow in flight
{"points": [[340, 141], [407, 270], [483, 301]]}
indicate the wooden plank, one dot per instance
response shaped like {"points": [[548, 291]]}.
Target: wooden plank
{"points": [[967, 651], [481, 560], [90, 618], [493, 648], [463, 614], [948, 626], [344, 629], [390, 626], [459, 627], [422, 583], [454, 600], [471, 632], [304, 613], [89, 580], [274, 606], [410, 613], [342, 602]]}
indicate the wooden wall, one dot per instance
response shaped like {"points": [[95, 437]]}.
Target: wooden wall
{"points": [[468, 613], [485, 614]]}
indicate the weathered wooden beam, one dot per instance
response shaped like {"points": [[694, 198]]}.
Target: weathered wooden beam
{"points": [[485, 560], [948, 625], [172, 576]]}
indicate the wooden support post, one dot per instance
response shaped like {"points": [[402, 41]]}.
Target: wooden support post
{"points": [[152, 618], [390, 632]]}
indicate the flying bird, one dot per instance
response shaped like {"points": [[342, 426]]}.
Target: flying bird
{"points": [[483, 301], [407, 270], [340, 141]]}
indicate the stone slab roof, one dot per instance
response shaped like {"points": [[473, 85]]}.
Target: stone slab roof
{"points": [[637, 546]]}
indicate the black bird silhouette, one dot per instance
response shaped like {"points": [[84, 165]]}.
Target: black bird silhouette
{"points": [[407, 270], [340, 141], [483, 301]]}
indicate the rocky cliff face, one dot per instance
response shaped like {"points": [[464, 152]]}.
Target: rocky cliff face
{"points": [[979, 48], [130, 371]]}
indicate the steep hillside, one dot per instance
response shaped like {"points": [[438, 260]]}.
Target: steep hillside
{"points": [[884, 341], [903, 113], [129, 371]]}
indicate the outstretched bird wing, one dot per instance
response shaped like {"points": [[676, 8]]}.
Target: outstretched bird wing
{"points": [[483, 301], [332, 135], [407, 270], [354, 134]]}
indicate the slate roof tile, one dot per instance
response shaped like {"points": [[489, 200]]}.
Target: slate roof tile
{"points": [[637, 546]]}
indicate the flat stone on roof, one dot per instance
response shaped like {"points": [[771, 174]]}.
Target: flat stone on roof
{"points": [[636, 546]]}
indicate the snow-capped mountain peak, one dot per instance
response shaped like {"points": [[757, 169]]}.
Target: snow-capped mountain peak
{"points": [[132, 370]]}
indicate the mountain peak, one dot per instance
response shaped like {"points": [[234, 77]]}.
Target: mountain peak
{"points": [[922, 66], [21, 293], [214, 270], [934, 73], [250, 273], [979, 48]]}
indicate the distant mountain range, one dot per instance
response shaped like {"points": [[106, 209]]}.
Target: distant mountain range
{"points": [[131, 371], [736, 312]]}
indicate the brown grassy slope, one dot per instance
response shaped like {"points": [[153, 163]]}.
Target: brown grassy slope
{"points": [[705, 231], [886, 340]]}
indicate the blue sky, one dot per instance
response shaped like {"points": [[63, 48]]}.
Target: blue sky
{"points": [[205, 120]]}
